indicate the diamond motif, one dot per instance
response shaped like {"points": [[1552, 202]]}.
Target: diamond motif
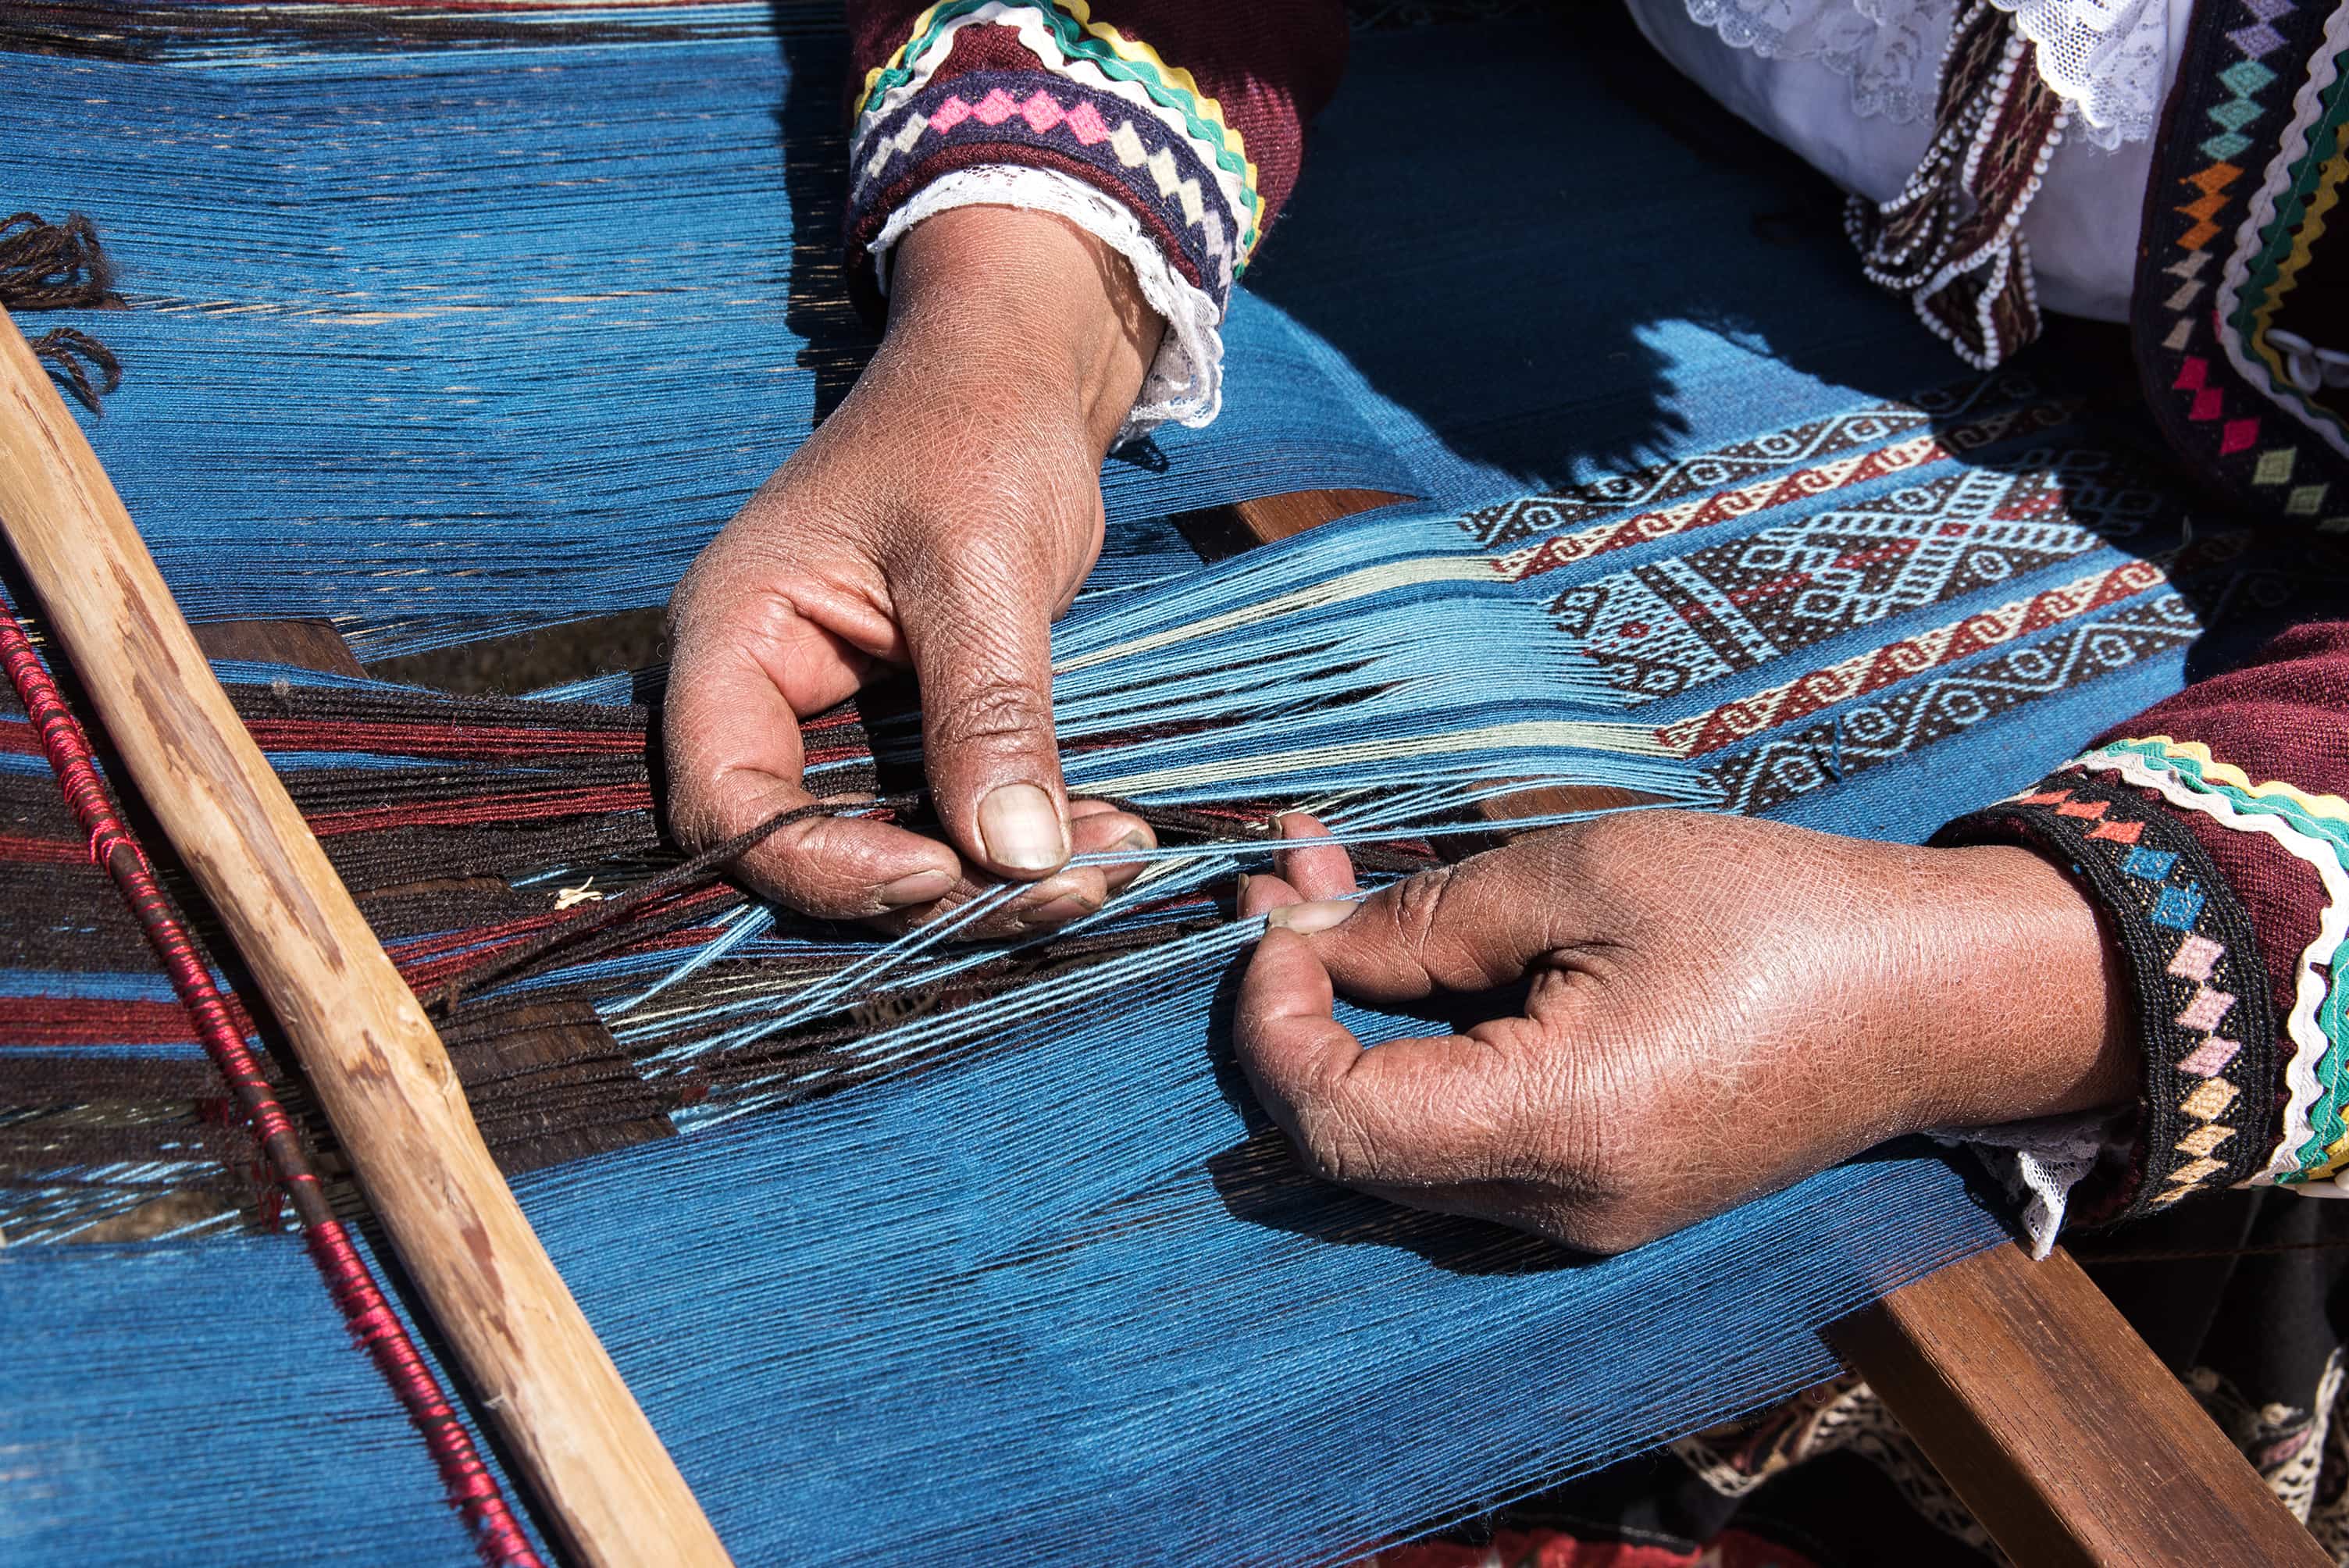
{"points": [[2207, 1011], [2196, 956], [2177, 906]]}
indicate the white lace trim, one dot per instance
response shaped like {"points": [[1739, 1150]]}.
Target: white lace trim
{"points": [[2040, 1162], [1185, 384], [1890, 49], [2110, 59]]}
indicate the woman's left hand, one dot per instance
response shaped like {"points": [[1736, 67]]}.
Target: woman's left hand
{"points": [[1717, 1007]]}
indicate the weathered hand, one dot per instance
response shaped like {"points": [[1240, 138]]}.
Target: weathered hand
{"points": [[941, 518], [1718, 1007]]}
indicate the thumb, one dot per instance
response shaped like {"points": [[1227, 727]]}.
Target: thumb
{"points": [[1466, 927], [982, 652]]}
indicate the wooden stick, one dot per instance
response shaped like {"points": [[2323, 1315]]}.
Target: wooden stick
{"points": [[611, 1493]]}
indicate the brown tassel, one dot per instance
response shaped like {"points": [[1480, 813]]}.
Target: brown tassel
{"points": [[71, 356], [53, 266], [61, 266]]}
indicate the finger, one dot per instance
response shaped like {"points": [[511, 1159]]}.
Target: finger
{"points": [[1098, 828], [1466, 927], [1262, 892], [734, 761], [1320, 870], [980, 639], [1095, 828], [1410, 1113]]}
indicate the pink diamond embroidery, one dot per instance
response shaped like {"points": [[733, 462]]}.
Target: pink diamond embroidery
{"points": [[2207, 404], [2195, 956], [2237, 434], [1085, 124], [1041, 112], [996, 107], [2192, 374], [2210, 1058], [2208, 1007], [949, 114]]}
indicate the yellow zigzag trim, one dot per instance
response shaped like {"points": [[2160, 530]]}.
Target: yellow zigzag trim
{"points": [[2234, 777], [1123, 47], [2326, 197]]}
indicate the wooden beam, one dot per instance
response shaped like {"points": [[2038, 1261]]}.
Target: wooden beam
{"points": [[2033, 1395], [611, 1492], [2063, 1432]]}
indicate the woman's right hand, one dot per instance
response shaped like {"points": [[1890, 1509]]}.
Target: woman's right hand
{"points": [[940, 520]]}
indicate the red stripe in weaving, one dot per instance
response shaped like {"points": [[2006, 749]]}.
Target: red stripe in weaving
{"points": [[466, 742], [18, 848], [537, 805], [472, 1491]]}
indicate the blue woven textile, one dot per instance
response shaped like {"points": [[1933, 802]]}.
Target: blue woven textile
{"points": [[447, 342]]}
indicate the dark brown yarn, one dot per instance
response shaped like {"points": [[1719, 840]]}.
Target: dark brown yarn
{"points": [[61, 266], [71, 356], [2176, 1254], [706, 867], [53, 266]]}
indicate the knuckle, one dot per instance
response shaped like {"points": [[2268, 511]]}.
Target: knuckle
{"points": [[993, 709], [1420, 904]]}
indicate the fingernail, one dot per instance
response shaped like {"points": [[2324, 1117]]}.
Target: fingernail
{"points": [[1058, 911], [1305, 919], [1239, 893], [919, 888], [1137, 839], [1020, 828]]}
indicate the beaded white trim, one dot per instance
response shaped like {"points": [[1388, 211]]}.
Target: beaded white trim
{"points": [[1186, 382], [2002, 251]]}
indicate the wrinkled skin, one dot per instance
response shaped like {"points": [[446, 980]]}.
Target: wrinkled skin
{"points": [[1718, 1007], [939, 520]]}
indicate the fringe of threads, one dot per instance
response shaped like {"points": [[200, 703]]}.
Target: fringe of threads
{"points": [[472, 1491]]}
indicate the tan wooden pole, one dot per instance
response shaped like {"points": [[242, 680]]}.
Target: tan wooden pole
{"points": [[608, 1488]]}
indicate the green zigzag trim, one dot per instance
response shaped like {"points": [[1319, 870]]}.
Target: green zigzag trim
{"points": [[2324, 1122], [1075, 40], [2276, 240]]}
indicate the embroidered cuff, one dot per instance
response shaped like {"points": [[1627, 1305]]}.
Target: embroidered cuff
{"points": [[2310, 1149], [1042, 84], [2200, 984], [1185, 382]]}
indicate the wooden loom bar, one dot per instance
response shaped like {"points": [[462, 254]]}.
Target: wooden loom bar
{"points": [[610, 1490], [2038, 1403]]}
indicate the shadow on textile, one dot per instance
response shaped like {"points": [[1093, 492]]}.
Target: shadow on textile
{"points": [[811, 140]]}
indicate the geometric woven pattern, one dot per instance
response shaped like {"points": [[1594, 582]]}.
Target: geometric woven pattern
{"points": [[1660, 629]]}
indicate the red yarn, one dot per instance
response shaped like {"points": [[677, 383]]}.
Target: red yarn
{"points": [[470, 1487]]}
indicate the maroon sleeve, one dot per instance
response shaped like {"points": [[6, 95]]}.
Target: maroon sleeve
{"points": [[1189, 113], [2213, 831]]}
